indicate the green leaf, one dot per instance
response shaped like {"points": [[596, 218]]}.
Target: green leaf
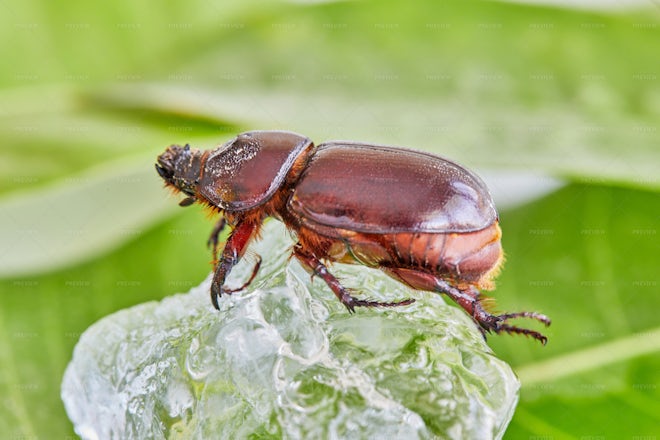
{"points": [[85, 216], [42, 317], [489, 84], [587, 257]]}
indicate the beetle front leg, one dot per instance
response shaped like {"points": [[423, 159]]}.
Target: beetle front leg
{"points": [[231, 254], [255, 270], [316, 267], [212, 242]]}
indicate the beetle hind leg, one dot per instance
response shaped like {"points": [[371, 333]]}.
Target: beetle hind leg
{"points": [[532, 315], [497, 323], [469, 299], [520, 331], [316, 267]]}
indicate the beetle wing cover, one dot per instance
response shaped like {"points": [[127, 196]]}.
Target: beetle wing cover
{"points": [[379, 189], [246, 171]]}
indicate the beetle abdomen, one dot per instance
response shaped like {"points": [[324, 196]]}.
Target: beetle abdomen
{"points": [[470, 257]]}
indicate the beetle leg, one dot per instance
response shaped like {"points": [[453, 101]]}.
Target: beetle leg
{"points": [[212, 242], [521, 331], [255, 270], [234, 248], [469, 301], [316, 267], [497, 323], [533, 315]]}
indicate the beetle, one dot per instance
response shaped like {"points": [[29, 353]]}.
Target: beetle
{"points": [[424, 220]]}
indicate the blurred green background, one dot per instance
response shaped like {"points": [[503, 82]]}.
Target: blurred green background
{"points": [[90, 93]]}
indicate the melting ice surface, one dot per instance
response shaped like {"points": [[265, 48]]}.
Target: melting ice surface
{"points": [[284, 359]]}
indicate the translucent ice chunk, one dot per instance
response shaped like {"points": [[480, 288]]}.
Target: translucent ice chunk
{"points": [[285, 359]]}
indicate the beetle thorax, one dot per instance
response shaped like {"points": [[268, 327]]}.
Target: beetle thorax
{"points": [[180, 167]]}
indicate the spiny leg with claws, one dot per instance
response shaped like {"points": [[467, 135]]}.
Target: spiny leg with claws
{"points": [[213, 240], [469, 300], [231, 254], [316, 267]]}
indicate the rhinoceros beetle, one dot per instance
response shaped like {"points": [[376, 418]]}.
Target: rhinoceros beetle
{"points": [[422, 219]]}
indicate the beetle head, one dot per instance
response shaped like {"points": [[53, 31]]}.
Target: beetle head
{"points": [[180, 168]]}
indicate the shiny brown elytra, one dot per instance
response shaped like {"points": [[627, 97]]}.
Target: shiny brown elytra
{"points": [[421, 219]]}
